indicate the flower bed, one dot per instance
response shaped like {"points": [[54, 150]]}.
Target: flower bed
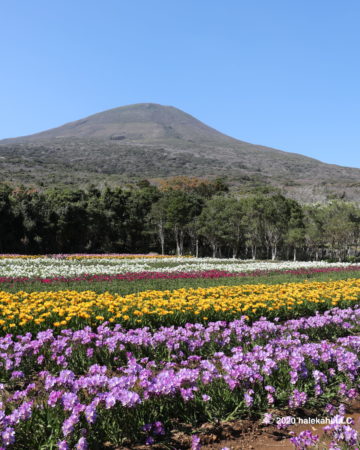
{"points": [[210, 274], [70, 268], [38, 310], [93, 386]]}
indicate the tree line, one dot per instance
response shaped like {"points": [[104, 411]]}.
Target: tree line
{"points": [[181, 216]]}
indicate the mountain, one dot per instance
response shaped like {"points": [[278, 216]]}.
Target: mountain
{"points": [[153, 141], [144, 122]]}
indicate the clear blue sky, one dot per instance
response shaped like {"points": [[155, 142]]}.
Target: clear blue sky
{"points": [[282, 73]]}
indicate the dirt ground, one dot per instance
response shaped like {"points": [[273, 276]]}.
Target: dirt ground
{"points": [[243, 435]]}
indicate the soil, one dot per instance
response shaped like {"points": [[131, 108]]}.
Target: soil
{"points": [[259, 436], [243, 435]]}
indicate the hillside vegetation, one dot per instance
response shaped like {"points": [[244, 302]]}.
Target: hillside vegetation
{"points": [[154, 141]]}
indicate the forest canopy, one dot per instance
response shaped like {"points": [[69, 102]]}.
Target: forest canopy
{"points": [[180, 216]]}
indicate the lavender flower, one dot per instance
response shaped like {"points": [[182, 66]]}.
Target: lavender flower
{"points": [[195, 442], [81, 444], [8, 436], [304, 440], [267, 419]]}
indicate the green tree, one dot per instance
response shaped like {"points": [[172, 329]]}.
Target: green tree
{"points": [[314, 229], [181, 209], [295, 236], [158, 219], [276, 216], [220, 224], [10, 222], [340, 228], [253, 208]]}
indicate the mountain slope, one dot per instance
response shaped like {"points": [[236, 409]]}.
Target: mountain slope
{"points": [[150, 140]]}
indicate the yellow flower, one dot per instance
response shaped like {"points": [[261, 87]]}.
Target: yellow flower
{"points": [[44, 309]]}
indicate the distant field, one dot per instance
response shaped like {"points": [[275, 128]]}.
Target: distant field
{"points": [[124, 276]]}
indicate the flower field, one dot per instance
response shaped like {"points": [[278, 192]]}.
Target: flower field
{"points": [[67, 266], [83, 369]]}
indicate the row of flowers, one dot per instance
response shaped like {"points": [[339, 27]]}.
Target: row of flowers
{"points": [[87, 256], [51, 268], [24, 311], [210, 274], [108, 382]]}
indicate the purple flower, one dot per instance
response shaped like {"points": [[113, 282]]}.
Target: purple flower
{"points": [[8, 436], [270, 389], [187, 394], [110, 400], [195, 442], [40, 359], [248, 397], [63, 445], [69, 400], [350, 435], [267, 419], [90, 413], [293, 376], [147, 428], [297, 399], [330, 409], [304, 440], [17, 374], [158, 428], [81, 444], [333, 446], [54, 396], [68, 424], [340, 433], [284, 422]]}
